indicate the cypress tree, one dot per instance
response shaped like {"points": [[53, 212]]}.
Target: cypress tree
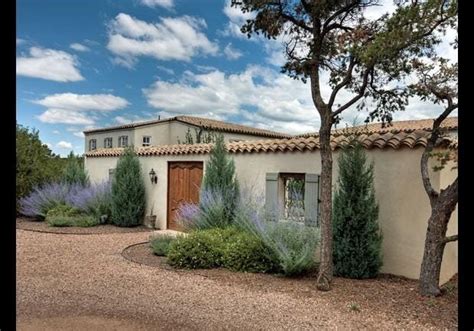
{"points": [[356, 235], [128, 191], [74, 173], [220, 178]]}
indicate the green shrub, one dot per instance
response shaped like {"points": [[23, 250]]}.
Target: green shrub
{"points": [[246, 252], [83, 221], [202, 249], [128, 191], [74, 173], [357, 238], [219, 185], [64, 215], [160, 244], [63, 210]]}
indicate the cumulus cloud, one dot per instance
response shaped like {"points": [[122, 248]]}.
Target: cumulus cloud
{"points": [[79, 47], [168, 4], [49, 64], [64, 144], [19, 41], [260, 97], [232, 53], [179, 38], [78, 134], [236, 19], [70, 108]]}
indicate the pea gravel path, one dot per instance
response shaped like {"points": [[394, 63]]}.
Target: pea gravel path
{"points": [[82, 282]]}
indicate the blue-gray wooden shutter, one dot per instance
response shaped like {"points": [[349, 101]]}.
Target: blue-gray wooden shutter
{"points": [[271, 195], [311, 199]]}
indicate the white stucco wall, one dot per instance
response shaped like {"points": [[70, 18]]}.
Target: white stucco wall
{"points": [[404, 206], [115, 134]]}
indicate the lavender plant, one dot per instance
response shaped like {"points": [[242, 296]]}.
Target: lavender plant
{"points": [[293, 244], [210, 213], [44, 198], [91, 199]]}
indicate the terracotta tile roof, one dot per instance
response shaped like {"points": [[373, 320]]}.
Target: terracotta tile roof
{"points": [[204, 123], [395, 139], [450, 123]]}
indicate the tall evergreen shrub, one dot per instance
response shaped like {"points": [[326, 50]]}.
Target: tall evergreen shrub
{"points": [[128, 191], [220, 179], [74, 172], [357, 239]]}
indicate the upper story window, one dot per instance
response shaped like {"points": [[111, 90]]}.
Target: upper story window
{"points": [[293, 196], [108, 142], [92, 144], [123, 141], [146, 141]]}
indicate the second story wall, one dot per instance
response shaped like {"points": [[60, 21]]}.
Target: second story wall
{"points": [[115, 134]]}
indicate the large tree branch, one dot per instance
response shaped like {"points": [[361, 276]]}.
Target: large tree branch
{"points": [[365, 81], [346, 80]]}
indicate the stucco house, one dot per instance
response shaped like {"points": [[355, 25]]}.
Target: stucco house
{"points": [[269, 165]]}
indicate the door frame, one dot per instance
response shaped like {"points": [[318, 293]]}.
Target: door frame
{"points": [[168, 201]]}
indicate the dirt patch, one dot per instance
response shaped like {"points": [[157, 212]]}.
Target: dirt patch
{"points": [[30, 224], [385, 295]]}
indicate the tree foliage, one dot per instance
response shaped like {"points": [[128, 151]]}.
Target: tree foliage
{"points": [[36, 164], [220, 179], [357, 239], [128, 191], [74, 172], [200, 136]]}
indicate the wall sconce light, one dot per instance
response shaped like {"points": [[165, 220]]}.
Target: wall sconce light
{"points": [[153, 176]]}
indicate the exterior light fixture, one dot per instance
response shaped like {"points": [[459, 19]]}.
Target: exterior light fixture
{"points": [[153, 176]]}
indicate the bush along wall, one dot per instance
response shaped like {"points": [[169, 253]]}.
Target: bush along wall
{"points": [[128, 191], [357, 238]]}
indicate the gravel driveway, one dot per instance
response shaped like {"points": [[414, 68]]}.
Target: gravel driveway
{"points": [[82, 282]]}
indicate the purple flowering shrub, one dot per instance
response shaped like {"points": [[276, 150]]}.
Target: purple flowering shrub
{"points": [[293, 244], [89, 199], [209, 213]]}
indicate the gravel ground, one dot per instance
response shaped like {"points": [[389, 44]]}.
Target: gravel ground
{"points": [[68, 282], [41, 226]]}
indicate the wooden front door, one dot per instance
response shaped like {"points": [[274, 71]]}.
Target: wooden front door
{"points": [[184, 183]]}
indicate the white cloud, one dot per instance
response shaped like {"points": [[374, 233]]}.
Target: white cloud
{"points": [[78, 134], [165, 69], [232, 53], [79, 47], [49, 64], [83, 102], [20, 41], [64, 144], [179, 38], [56, 132], [260, 96], [48, 145], [236, 19], [168, 4], [70, 108], [64, 116]]}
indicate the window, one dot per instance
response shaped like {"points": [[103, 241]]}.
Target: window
{"points": [[108, 142], [92, 144], [293, 196], [146, 141], [111, 174], [123, 141]]}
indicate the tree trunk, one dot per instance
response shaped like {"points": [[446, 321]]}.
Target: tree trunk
{"points": [[441, 210], [323, 282]]}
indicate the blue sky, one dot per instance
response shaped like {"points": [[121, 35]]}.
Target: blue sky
{"points": [[94, 63]]}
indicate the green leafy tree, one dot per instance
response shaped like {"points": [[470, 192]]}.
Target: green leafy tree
{"points": [[361, 56], [357, 239], [220, 178], [128, 191], [74, 172], [36, 164]]}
